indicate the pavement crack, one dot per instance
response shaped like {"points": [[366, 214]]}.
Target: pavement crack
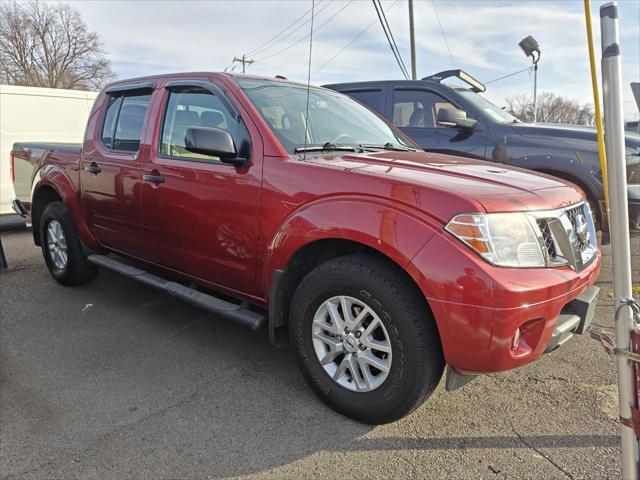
{"points": [[539, 452], [187, 325]]}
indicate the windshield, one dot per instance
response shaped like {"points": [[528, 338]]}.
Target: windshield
{"points": [[495, 113], [334, 119]]}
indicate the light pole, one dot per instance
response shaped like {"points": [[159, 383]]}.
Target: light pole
{"points": [[412, 36], [530, 47], [625, 306]]}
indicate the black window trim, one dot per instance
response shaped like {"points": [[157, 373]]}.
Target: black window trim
{"points": [[212, 88], [129, 87]]}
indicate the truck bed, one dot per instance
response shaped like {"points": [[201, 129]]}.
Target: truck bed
{"points": [[28, 157], [42, 146]]}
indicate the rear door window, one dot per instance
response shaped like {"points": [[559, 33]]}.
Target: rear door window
{"points": [[109, 125], [124, 121], [371, 98]]}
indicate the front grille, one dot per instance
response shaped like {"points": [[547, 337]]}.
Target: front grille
{"points": [[572, 215], [567, 236], [547, 238], [573, 212]]}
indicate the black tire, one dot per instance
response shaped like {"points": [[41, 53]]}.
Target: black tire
{"points": [[77, 269], [594, 206], [417, 359]]}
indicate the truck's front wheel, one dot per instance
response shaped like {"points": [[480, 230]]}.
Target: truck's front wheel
{"points": [[365, 339], [61, 247]]}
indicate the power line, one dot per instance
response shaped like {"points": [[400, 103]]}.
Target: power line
{"points": [[444, 35], [384, 17], [260, 51], [391, 44], [306, 36], [507, 76], [265, 45], [392, 41], [306, 118], [352, 41], [281, 31]]}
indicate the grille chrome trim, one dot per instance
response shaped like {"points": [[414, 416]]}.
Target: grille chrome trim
{"points": [[567, 235]]}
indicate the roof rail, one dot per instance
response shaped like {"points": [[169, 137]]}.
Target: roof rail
{"points": [[475, 85]]}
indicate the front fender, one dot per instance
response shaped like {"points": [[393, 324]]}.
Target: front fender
{"points": [[567, 168], [396, 231], [55, 177]]}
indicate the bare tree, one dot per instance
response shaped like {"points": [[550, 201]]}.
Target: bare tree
{"points": [[48, 45], [551, 108]]}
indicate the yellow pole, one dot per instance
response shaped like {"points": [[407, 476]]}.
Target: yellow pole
{"points": [[596, 103]]}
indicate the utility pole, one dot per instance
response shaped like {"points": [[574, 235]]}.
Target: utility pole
{"points": [[243, 60], [412, 33]]}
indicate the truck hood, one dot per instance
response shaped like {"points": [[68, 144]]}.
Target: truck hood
{"points": [[445, 185]]}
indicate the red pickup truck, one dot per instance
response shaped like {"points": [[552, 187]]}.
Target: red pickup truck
{"points": [[300, 210]]}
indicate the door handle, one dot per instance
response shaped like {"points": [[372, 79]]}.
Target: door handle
{"points": [[153, 178], [93, 168]]}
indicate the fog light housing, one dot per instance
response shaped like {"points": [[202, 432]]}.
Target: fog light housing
{"points": [[516, 339]]}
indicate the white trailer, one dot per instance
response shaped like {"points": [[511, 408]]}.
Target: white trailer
{"points": [[37, 114]]}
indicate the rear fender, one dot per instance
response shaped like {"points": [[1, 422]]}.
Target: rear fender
{"points": [[395, 231], [55, 177]]}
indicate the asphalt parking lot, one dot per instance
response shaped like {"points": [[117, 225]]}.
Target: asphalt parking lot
{"points": [[117, 380]]}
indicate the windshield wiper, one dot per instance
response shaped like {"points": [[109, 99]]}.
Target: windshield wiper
{"points": [[388, 146], [327, 147]]}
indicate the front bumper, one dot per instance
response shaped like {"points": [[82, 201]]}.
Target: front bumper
{"points": [[480, 308], [574, 318]]}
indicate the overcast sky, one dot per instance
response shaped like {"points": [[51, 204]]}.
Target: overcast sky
{"points": [[150, 37]]}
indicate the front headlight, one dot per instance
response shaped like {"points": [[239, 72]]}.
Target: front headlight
{"points": [[504, 239]]}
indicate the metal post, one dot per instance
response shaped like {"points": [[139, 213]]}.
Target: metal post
{"points": [[620, 249], [412, 36], [535, 91]]}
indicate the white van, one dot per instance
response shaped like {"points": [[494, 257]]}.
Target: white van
{"points": [[38, 114]]}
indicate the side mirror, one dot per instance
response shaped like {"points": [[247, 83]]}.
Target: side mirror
{"points": [[454, 118], [215, 142]]}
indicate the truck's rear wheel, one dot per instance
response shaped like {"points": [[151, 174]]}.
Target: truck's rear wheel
{"points": [[61, 247], [364, 339]]}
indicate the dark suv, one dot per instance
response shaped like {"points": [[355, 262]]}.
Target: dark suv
{"points": [[457, 120]]}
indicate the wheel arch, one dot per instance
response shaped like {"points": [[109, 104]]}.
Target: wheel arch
{"points": [[303, 261], [42, 196], [52, 183]]}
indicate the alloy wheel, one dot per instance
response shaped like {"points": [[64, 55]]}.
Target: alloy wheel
{"points": [[351, 343], [57, 244]]}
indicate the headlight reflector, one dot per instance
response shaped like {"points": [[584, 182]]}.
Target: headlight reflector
{"points": [[504, 239]]}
